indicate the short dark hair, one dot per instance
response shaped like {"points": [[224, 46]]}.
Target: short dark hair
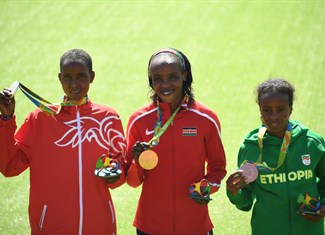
{"points": [[77, 56], [185, 65], [276, 85]]}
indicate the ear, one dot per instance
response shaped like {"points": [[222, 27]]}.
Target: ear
{"points": [[59, 76], [92, 76], [184, 76]]}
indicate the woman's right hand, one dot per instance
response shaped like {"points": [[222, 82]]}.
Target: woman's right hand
{"points": [[7, 102], [138, 148], [235, 182]]}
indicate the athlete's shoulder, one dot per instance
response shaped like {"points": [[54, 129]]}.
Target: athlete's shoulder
{"points": [[144, 111], [204, 112], [99, 108], [302, 130], [251, 137], [198, 107]]}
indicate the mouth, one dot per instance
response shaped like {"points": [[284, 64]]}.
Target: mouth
{"points": [[166, 93], [273, 124], [75, 92]]}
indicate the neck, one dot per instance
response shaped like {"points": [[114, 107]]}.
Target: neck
{"points": [[277, 134], [174, 106]]}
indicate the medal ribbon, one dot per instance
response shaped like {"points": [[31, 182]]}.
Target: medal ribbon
{"points": [[159, 131], [43, 104], [283, 150]]}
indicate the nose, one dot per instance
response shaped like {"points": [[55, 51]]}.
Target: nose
{"points": [[274, 115], [73, 83], [165, 82]]}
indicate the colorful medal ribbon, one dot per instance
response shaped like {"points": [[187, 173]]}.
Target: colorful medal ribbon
{"points": [[260, 165], [39, 101], [158, 130]]}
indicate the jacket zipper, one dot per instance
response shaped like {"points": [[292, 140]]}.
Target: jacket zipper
{"points": [[80, 172], [41, 221], [289, 201]]}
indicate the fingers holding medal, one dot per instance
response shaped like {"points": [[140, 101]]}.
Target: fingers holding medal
{"points": [[236, 181], [144, 156], [246, 174], [250, 172]]}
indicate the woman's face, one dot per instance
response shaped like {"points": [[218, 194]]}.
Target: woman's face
{"points": [[275, 112], [167, 78], [75, 79]]}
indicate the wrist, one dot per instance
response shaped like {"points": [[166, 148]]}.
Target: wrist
{"points": [[5, 118]]}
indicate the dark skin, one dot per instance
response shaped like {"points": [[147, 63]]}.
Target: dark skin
{"points": [[75, 79], [275, 112], [167, 81], [7, 102]]}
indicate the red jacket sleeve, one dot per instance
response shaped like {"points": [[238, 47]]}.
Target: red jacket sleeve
{"points": [[135, 173], [118, 151], [216, 159], [13, 155]]}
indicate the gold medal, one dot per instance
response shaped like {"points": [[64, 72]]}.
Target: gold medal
{"points": [[148, 159]]}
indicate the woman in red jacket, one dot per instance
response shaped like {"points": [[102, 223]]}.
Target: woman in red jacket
{"points": [[170, 140], [61, 149]]}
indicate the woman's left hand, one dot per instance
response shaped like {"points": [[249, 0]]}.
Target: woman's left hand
{"points": [[320, 213], [112, 180]]}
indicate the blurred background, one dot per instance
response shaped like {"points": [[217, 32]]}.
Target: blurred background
{"points": [[232, 46]]}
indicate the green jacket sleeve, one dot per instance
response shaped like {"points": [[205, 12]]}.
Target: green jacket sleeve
{"points": [[320, 172], [244, 199]]}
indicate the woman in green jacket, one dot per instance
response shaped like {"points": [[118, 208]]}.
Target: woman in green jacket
{"points": [[281, 169]]}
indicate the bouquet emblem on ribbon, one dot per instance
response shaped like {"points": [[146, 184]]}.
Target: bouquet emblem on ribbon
{"points": [[307, 204], [201, 191], [107, 167]]}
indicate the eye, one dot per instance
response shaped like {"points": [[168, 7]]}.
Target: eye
{"points": [[82, 77], [266, 110], [173, 78], [156, 80], [66, 78]]}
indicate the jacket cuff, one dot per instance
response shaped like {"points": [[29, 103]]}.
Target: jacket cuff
{"points": [[9, 122]]}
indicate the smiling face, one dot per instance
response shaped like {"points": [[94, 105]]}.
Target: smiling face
{"points": [[167, 79], [275, 112], [75, 79]]}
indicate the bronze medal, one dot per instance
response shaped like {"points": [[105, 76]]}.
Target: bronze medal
{"points": [[148, 159], [250, 172]]}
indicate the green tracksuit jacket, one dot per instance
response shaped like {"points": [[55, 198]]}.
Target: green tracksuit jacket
{"points": [[275, 193]]}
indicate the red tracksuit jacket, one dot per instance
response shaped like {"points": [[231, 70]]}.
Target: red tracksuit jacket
{"points": [[191, 141], [61, 152]]}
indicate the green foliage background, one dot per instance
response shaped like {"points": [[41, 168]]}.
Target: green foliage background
{"points": [[232, 45]]}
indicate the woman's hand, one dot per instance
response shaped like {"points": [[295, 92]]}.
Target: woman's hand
{"points": [[112, 180], [235, 182], [320, 213], [7, 102], [138, 148]]}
